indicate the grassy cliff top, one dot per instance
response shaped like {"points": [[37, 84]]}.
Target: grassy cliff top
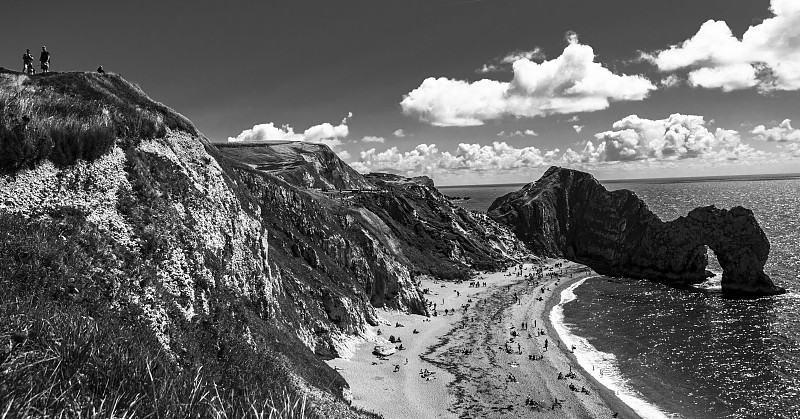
{"points": [[64, 117]]}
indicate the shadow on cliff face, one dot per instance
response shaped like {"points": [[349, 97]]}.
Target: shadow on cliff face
{"points": [[569, 213]]}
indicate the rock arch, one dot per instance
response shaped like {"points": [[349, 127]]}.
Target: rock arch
{"points": [[568, 213]]}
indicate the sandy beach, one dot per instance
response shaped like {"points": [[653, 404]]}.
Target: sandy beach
{"points": [[479, 361]]}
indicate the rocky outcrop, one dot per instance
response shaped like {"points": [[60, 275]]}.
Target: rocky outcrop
{"points": [[569, 214]]}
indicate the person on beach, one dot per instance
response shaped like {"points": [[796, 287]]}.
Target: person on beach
{"points": [[545, 344], [27, 63], [44, 60]]}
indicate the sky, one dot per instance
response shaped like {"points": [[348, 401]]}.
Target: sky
{"points": [[463, 91]]}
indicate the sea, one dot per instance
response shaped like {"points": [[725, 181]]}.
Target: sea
{"points": [[678, 353]]}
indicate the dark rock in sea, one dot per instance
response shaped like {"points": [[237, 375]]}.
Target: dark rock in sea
{"points": [[569, 214]]}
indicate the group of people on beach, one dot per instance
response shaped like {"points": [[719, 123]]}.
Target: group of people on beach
{"points": [[44, 61]]}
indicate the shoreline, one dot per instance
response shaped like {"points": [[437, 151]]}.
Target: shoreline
{"points": [[605, 393], [478, 359]]}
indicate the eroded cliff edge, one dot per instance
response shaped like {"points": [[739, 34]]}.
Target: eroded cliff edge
{"points": [[117, 214], [568, 213]]}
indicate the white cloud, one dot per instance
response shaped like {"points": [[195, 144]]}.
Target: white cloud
{"points": [[578, 128], [670, 81], [793, 149], [344, 154], [570, 83], [263, 132], [678, 137], [325, 133], [373, 139], [767, 56], [574, 119], [782, 133], [427, 159], [526, 133], [400, 133], [631, 143], [504, 63]]}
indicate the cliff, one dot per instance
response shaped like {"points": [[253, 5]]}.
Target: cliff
{"points": [[302, 164], [569, 214], [210, 270]]}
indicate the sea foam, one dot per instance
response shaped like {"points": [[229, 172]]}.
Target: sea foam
{"points": [[602, 366]]}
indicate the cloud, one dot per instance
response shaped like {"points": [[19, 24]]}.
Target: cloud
{"points": [[526, 133], [498, 157], [782, 133], [767, 56], [344, 155], [504, 63], [372, 139], [793, 150], [574, 119], [325, 133], [399, 133], [570, 83], [578, 128], [670, 81], [678, 137], [263, 132], [632, 143]]}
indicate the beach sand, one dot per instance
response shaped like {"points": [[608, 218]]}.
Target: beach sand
{"points": [[476, 368]]}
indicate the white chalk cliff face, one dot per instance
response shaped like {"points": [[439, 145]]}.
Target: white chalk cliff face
{"points": [[213, 246]]}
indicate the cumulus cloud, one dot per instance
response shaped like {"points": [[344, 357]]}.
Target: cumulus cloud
{"points": [[425, 158], [400, 133], [504, 63], [782, 133], [526, 133], [570, 83], [793, 150], [325, 133], [630, 143], [578, 128], [373, 139], [678, 137], [767, 56]]}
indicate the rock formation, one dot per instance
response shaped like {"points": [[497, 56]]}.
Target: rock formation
{"points": [[569, 214]]}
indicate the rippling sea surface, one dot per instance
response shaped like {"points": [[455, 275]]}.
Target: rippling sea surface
{"points": [[695, 354]]}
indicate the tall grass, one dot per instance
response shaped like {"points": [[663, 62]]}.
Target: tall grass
{"points": [[71, 116], [69, 347]]}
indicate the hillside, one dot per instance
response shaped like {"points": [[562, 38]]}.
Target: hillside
{"points": [[133, 251], [299, 163]]}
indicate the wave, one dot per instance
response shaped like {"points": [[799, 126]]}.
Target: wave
{"points": [[601, 365]]}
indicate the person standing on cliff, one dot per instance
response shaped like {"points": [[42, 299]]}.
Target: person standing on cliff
{"points": [[27, 61], [44, 59]]}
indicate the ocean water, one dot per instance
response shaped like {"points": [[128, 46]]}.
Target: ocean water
{"points": [[692, 353]]}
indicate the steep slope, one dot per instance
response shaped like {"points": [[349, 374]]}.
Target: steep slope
{"points": [[569, 213], [223, 272], [214, 271], [299, 163]]}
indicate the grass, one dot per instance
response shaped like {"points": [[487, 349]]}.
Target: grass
{"points": [[70, 348], [66, 117]]}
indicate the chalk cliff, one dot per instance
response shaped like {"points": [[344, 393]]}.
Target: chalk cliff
{"points": [[232, 261], [569, 214]]}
